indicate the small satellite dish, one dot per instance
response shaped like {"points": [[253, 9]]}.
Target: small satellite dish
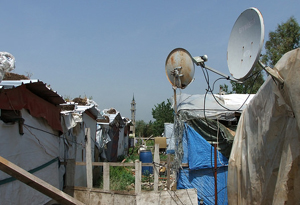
{"points": [[245, 43], [180, 68]]}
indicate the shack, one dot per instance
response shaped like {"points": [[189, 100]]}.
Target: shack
{"points": [[202, 138], [30, 138]]}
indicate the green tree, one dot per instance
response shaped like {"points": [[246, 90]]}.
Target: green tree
{"points": [[225, 89], [149, 129], [140, 128], [162, 113], [285, 38], [252, 84], [143, 129]]}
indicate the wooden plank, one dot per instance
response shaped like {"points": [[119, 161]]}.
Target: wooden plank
{"points": [[138, 177], [36, 183], [70, 173], [106, 178], [114, 164], [88, 158], [119, 164], [168, 171], [156, 167]]}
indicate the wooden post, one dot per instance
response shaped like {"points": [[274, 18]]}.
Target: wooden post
{"points": [[168, 171], [70, 173], [156, 166], [138, 176], [36, 183], [216, 174], [88, 158], [106, 179]]}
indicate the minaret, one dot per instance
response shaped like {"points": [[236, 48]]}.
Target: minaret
{"points": [[133, 116]]}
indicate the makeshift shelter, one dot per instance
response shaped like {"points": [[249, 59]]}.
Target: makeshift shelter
{"points": [[264, 165], [196, 128], [75, 119], [30, 138], [113, 135]]}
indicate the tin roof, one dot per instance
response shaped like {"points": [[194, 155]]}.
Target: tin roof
{"points": [[37, 87]]}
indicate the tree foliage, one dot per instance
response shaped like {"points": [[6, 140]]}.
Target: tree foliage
{"points": [[140, 128], [252, 84], [162, 113], [143, 129], [285, 38]]}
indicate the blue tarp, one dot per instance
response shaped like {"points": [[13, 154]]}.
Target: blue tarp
{"points": [[200, 175], [200, 152]]}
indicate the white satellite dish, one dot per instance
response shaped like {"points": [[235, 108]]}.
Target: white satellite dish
{"points": [[245, 43], [180, 68]]}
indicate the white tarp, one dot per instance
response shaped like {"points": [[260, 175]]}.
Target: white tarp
{"points": [[213, 106], [169, 134], [106, 135], [264, 165], [7, 63], [38, 145], [74, 124]]}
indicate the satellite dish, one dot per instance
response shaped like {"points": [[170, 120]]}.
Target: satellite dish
{"points": [[245, 43], [180, 68]]}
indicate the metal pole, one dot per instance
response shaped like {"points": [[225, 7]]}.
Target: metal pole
{"points": [[216, 172], [175, 101]]}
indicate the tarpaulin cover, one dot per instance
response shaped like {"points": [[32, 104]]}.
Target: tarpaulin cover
{"points": [[36, 148], [7, 63], [203, 180], [169, 134], [264, 165], [215, 106], [199, 154], [75, 124]]}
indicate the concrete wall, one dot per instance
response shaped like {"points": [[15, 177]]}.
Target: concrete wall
{"points": [[97, 197]]}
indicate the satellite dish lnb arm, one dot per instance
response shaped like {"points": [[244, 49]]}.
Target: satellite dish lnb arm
{"points": [[200, 61], [272, 72]]}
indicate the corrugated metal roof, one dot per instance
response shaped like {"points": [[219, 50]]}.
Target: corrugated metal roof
{"points": [[37, 87]]}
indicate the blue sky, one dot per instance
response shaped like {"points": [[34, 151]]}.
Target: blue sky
{"points": [[111, 50]]}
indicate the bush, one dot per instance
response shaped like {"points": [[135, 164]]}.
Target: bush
{"points": [[120, 178]]}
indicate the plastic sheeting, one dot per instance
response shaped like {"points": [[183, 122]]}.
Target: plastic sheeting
{"points": [[199, 154], [203, 181], [37, 146], [264, 165], [74, 124], [215, 106], [7, 63], [168, 133]]}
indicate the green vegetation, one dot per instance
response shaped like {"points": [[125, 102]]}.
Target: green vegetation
{"points": [[162, 113], [123, 178], [286, 37]]}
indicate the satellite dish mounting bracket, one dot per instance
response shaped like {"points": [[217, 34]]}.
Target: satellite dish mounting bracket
{"points": [[200, 61], [273, 72], [177, 74]]}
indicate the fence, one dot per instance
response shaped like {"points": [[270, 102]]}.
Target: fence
{"points": [[106, 166]]}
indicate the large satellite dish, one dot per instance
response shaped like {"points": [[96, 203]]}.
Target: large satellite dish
{"points": [[180, 68], [245, 43]]}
